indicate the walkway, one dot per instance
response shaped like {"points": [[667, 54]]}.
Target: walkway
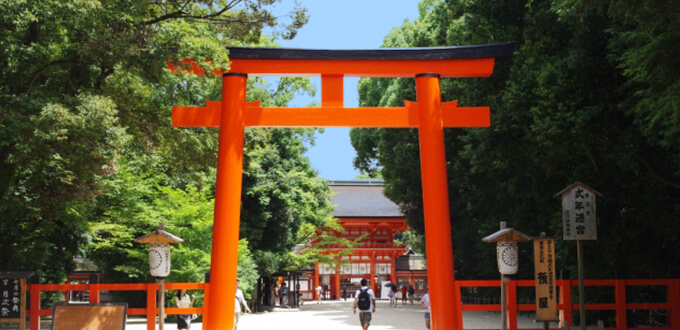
{"points": [[337, 315]]}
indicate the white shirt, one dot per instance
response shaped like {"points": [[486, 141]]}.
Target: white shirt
{"points": [[426, 300], [184, 302], [239, 298], [370, 293]]}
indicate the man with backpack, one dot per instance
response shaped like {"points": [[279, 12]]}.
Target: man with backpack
{"points": [[365, 300]]}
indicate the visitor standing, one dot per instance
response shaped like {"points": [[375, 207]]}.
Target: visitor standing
{"points": [[283, 292], [240, 300], [404, 290], [364, 299], [184, 301], [411, 292], [425, 302]]}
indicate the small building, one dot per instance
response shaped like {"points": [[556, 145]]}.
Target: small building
{"points": [[365, 213]]}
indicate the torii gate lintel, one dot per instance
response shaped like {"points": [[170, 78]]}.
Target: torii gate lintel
{"points": [[428, 114]]}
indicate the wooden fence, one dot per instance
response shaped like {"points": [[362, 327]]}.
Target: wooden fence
{"points": [[566, 307]]}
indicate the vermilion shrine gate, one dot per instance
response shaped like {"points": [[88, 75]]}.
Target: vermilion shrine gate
{"points": [[428, 114]]}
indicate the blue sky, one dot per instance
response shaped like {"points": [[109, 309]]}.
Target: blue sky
{"points": [[344, 24]]}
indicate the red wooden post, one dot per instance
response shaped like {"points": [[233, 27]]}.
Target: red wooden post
{"points": [[674, 300], [151, 306], [337, 281], [371, 281], [35, 307], [565, 301], [224, 257], [393, 271], [511, 287], [93, 287], [620, 302], [436, 204], [94, 293], [458, 302]]}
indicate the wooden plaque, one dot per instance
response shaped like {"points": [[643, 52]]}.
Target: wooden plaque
{"points": [[89, 316], [544, 265]]}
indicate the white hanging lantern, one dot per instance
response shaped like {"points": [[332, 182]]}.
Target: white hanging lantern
{"points": [[159, 260], [507, 257], [159, 250], [506, 248]]}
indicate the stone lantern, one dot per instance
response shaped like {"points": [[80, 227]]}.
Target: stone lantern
{"points": [[159, 242], [507, 257]]}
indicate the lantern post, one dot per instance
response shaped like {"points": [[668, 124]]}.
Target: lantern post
{"points": [[159, 262], [508, 261]]}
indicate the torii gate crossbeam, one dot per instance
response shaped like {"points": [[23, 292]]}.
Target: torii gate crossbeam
{"points": [[428, 114]]}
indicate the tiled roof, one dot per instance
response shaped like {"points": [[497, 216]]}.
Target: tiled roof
{"points": [[362, 198]]}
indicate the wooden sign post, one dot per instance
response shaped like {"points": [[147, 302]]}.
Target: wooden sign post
{"points": [[544, 269], [579, 223], [13, 297]]}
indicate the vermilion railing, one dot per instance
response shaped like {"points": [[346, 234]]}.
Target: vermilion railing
{"points": [[566, 307], [151, 290]]}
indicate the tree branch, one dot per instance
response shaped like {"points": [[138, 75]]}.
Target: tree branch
{"points": [[181, 14], [655, 175], [592, 160], [43, 69]]}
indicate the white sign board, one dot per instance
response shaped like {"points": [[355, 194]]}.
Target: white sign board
{"points": [[578, 213]]}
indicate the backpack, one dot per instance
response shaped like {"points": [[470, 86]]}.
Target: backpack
{"points": [[364, 300]]}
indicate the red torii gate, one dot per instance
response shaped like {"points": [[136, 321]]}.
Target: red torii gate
{"points": [[428, 114]]}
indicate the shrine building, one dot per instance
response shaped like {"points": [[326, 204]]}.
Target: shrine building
{"points": [[364, 212]]}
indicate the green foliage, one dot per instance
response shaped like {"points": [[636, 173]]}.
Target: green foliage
{"points": [[88, 158], [587, 97], [413, 240]]}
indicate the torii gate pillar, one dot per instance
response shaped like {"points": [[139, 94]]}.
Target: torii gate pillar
{"points": [[224, 256], [440, 271], [428, 114]]}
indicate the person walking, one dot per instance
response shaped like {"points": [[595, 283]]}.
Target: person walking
{"points": [[393, 295], [411, 292], [319, 293], [365, 300], [184, 301], [404, 290], [240, 300], [425, 302]]}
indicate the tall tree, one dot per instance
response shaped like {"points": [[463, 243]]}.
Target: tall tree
{"points": [[76, 98], [571, 105]]}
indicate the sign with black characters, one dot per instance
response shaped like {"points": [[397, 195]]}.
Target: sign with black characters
{"points": [[578, 212], [544, 265]]}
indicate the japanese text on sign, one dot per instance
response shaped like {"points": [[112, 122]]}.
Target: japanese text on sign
{"points": [[544, 266], [578, 214], [10, 299]]}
